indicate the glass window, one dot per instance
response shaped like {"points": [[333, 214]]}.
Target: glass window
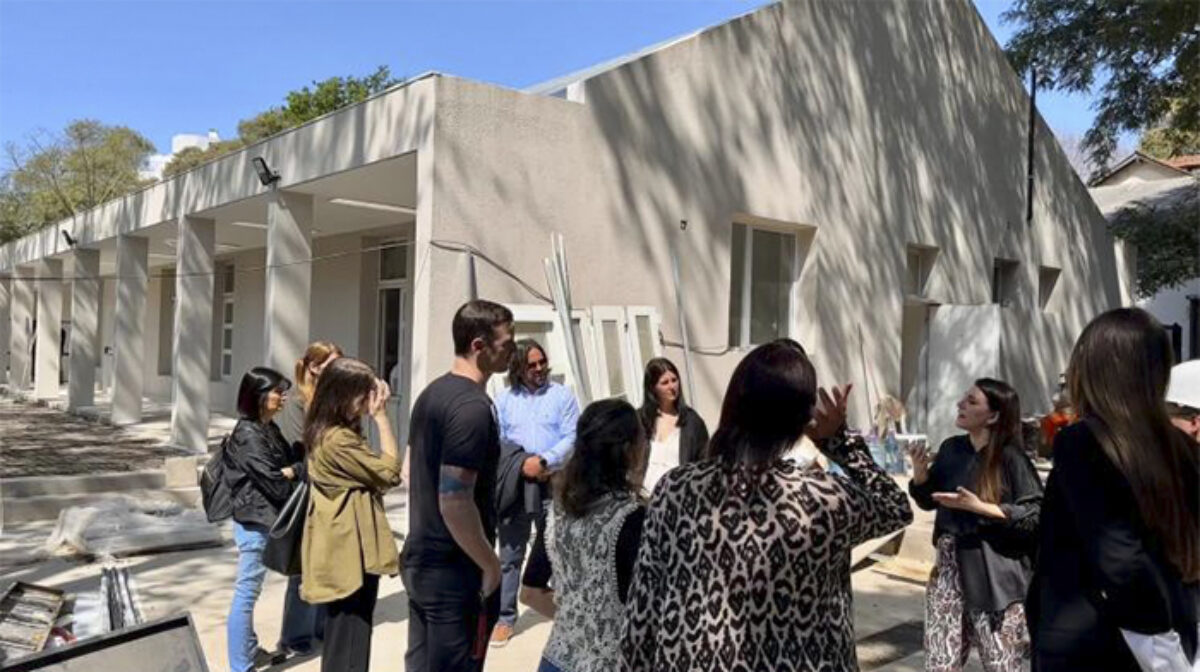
{"points": [[612, 357], [227, 279], [763, 271], [645, 338], [393, 262]]}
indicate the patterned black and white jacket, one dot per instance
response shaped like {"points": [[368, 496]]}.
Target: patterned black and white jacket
{"points": [[751, 572]]}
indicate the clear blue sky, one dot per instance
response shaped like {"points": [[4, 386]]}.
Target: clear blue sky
{"points": [[175, 66]]}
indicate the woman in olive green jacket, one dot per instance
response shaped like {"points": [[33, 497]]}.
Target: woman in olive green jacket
{"points": [[347, 542]]}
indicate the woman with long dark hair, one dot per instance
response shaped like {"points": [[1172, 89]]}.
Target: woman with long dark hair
{"points": [[988, 497], [591, 542], [744, 562], [348, 543], [260, 471], [303, 626], [1120, 540], [677, 434]]}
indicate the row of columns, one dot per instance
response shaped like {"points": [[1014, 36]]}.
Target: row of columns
{"points": [[286, 328]]}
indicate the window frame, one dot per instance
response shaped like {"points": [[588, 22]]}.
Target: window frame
{"points": [[744, 340]]}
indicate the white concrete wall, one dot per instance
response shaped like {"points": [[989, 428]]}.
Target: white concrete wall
{"points": [[1141, 171], [881, 124], [387, 125], [1170, 306]]}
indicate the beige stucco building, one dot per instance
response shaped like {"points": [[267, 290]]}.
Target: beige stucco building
{"points": [[852, 174]]}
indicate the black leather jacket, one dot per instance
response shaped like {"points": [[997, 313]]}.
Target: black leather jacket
{"points": [[254, 460]]}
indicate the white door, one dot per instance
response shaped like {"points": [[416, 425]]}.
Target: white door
{"points": [[615, 376], [643, 327], [964, 345]]}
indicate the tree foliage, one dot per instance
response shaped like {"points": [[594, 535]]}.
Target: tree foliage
{"points": [[57, 175], [1167, 238], [190, 157], [1148, 51], [1165, 142], [300, 106]]}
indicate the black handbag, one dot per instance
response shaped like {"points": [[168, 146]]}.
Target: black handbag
{"points": [[282, 552]]}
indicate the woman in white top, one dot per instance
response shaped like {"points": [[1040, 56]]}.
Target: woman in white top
{"points": [[677, 433]]}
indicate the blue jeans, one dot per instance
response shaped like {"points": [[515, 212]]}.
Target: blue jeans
{"points": [[547, 666], [514, 540], [303, 623], [250, 540]]}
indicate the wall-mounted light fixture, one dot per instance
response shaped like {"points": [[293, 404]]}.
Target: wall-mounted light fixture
{"points": [[71, 242], [265, 174]]}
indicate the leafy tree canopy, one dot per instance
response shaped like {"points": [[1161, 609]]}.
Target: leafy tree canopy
{"points": [[1146, 52], [58, 175]]}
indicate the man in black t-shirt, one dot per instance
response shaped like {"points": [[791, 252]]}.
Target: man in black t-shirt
{"points": [[451, 571]]}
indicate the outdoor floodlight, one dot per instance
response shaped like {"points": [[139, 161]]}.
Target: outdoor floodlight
{"points": [[265, 174]]}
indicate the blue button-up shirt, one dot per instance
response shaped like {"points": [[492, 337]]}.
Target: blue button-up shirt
{"points": [[541, 422]]}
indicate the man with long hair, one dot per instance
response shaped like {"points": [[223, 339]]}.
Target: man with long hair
{"points": [[539, 415], [451, 572]]}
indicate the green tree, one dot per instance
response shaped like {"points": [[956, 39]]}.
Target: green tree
{"points": [[1167, 239], [1148, 52], [300, 106], [57, 175], [190, 157], [1165, 142]]}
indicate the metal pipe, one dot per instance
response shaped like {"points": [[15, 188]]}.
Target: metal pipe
{"points": [[1032, 133], [683, 332]]}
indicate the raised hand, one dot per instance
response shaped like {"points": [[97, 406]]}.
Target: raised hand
{"points": [[829, 416]]}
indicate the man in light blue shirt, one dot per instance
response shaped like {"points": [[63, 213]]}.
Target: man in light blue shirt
{"points": [[538, 415]]}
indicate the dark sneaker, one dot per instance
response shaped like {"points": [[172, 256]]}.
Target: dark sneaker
{"points": [[264, 659]]}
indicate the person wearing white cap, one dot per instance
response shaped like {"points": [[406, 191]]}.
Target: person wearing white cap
{"points": [[1183, 398]]}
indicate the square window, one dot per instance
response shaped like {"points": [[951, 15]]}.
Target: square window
{"points": [[393, 262]]}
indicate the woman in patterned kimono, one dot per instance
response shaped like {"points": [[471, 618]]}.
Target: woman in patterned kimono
{"points": [[591, 542], [745, 557]]}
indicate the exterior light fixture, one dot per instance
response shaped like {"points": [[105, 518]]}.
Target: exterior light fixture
{"points": [[265, 174], [71, 242]]}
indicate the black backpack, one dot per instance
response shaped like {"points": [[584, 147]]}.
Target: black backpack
{"points": [[214, 490]]}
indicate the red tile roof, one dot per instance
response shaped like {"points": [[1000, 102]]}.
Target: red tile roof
{"points": [[1185, 162]]}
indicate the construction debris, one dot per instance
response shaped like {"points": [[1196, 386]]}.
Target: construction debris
{"points": [[125, 526], [27, 615]]}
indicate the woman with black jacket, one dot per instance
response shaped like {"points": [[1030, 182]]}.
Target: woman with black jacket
{"points": [[677, 434], [1120, 539], [988, 498], [261, 469]]}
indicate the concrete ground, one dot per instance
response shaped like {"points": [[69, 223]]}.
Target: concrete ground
{"points": [[201, 582], [888, 610]]}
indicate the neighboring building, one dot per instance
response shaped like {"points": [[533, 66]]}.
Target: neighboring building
{"points": [[1141, 180], [852, 175], [155, 163]]}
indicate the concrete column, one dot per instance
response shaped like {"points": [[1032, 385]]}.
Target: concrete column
{"points": [[289, 278], [49, 328], [129, 338], [21, 335], [193, 333], [5, 326], [85, 328]]}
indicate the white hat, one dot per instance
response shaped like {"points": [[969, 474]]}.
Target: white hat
{"points": [[1184, 389]]}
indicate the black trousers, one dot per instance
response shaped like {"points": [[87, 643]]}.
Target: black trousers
{"points": [[448, 626], [348, 629]]}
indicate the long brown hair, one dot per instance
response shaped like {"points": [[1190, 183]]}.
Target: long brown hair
{"points": [[316, 353], [339, 399], [1118, 379], [609, 446], [1002, 400]]}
